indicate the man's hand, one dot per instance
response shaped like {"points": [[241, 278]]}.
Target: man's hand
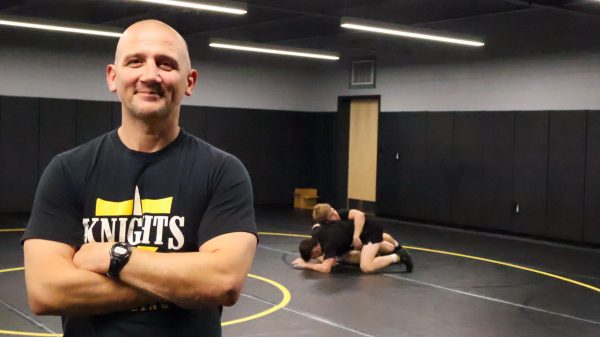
{"points": [[356, 243], [94, 257], [299, 263]]}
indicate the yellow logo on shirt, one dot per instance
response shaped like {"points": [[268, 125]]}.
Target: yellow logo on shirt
{"points": [[125, 208], [140, 222]]}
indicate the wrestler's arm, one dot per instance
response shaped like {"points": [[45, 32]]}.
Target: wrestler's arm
{"points": [[215, 273], [322, 267], [358, 218], [56, 287]]}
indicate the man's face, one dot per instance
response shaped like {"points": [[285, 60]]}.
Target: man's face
{"points": [[316, 251], [333, 215], [151, 73]]}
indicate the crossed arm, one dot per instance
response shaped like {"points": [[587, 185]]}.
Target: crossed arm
{"points": [[63, 281]]}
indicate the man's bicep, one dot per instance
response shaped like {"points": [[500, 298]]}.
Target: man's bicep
{"points": [[230, 208], [353, 213], [44, 254], [44, 260], [56, 212]]}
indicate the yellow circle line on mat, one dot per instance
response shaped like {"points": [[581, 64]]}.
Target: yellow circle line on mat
{"points": [[11, 269], [284, 301], [536, 271], [8, 230], [284, 234], [541, 272], [23, 333]]}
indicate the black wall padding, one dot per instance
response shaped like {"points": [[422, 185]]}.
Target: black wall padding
{"points": [[566, 172], [411, 146], [474, 168], [591, 232], [530, 172], [93, 119], [415, 165], [116, 114], [438, 182], [58, 128], [467, 171], [339, 153], [239, 132], [296, 158], [193, 120], [281, 149], [388, 197], [321, 158], [277, 147], [19, 142], [497, 142]]}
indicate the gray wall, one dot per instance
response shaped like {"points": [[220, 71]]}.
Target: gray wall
{"points": [[547, 60], [73, 67], [536, 60]]}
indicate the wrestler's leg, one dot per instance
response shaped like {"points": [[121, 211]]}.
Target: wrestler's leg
{"points": [[370, 262]]}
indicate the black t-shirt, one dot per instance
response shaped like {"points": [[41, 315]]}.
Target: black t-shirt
{"points": [[372, 231], [335, 237], [344, 214], [172, 200]]}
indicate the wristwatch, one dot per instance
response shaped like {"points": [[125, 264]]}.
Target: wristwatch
{"points": [[119, 256]]}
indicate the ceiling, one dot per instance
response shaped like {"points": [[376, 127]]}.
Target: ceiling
{"points": [[300, 23]]}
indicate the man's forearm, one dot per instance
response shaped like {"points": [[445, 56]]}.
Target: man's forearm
{"points": [[322, 267], [93, 294], [56, 287], [194, 278], [214, 274], [319, 267], [359, 224]]}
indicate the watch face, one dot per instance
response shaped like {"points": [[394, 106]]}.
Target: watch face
{"points": [[120, 250]]}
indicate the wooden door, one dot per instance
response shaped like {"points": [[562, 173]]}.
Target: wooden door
{"points": [[362, 149]]}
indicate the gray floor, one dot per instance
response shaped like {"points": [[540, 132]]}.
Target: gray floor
{"points": [[446, 295]]}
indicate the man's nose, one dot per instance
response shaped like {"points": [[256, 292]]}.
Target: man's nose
{"points": [[150, 73]]}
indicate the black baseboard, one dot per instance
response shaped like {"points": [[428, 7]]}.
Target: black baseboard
{"points": [[362, 205]]}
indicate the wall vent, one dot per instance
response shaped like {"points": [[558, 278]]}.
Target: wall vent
{"points": [[362, 74]]}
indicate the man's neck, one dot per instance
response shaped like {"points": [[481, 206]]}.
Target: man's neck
{"points": [[140, 136]]}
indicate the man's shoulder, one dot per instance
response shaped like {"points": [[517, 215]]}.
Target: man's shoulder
{"points": [[209, 153], [198, 144], [344, 213]]}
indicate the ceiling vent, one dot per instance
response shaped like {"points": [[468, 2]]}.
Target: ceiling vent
{"points": [[362, 74]]}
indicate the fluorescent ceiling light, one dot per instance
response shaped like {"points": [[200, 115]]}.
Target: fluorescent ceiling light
{"points": [[55, 26], [406, 31], [273, 49], [228, 7]]}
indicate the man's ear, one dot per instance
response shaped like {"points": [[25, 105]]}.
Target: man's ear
{"points": [[111, 77], [192, 79]]}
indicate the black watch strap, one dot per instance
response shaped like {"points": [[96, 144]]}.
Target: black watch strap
{"points": [[120, 253]]}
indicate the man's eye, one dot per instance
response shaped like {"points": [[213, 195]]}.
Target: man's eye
{"points": [[166, 66], [134, 63]]}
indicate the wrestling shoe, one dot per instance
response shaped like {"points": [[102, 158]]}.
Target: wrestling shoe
{"points": [[405, 258]]}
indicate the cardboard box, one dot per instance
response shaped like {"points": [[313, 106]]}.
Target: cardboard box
{"points": [[305, 198]]}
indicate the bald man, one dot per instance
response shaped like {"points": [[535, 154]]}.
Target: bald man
{"points": [[146, 230]]}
